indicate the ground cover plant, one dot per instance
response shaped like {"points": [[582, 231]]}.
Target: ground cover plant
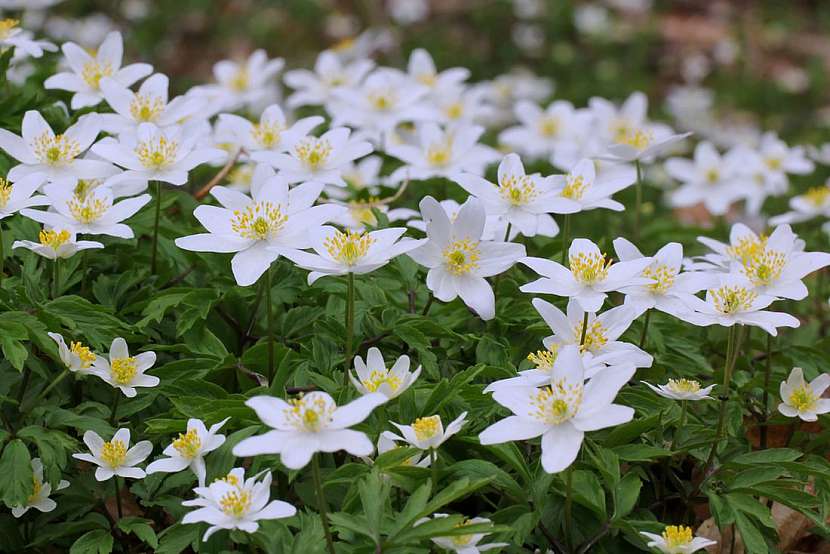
{"points": [[412, 288]]}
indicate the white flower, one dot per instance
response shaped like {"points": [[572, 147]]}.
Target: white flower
{"points": [[123, 371], [505, 91], [40, 150], [12, 36], [241, 84], [781, 160], [39, 499], [18, 196], [460, 105], [56, 244], [581, 189], [677, 539], [802, 399], [589, 277], [540, 132], [711, 179], [234, 502], [189, 449], [464, 544], [682, 389], [339, 252], [494, 226], [320, 159], [813, 203], [93, 213], [459, 260], [271, 134], [442, 153], [563, 412], [406, 12], [87, 71], [374, 376], [428, 433], [315, 88], [388, 441], [77, 357], [421, 70], [261, 227], [156, 154], [113, 458]]}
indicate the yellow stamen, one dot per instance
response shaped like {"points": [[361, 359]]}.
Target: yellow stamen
{"points": [[55, 149], [589, 268], [145, 108], [517, 189], [37, 487], [765, 267], [575, 187], [462, 540], [377, 378], [544, 359], [349, 247], [683, 385], [313, 152], [5, 192], [188, 444], [549, 126], [427, 427], [677, 535], [747, 248], [267, 133], [803, 399], [240, 81], [259, 221], [309, 413], [123, 370], [817, 196], [93, 71], [7, 26], [113, 453], [157, 153], [440, 154], [595, 337], [732, 299], [53, 239], [556, 403], [663, 276], [86, 355], [236, 503], [462, 256], [87, 210]]}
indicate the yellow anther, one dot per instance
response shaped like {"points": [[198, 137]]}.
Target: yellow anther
{"points": [[747, 248], [309, 413], [236, 503], [594, 337], [5, 192], [590, 267], [55, 149], [663, 276], [556, 403], [145, 108], [259, 221], [803, 399], [93, 71], [677, 535], [87, 210], [188, 444], [113, 453], [683, 385], [733, 299], [382, 100], [712, 176], [267, 133], [454, 110], [517, 189], [427, 427], [86, 355], [461, 257], [817, 196], [462, 540], [575, 186], [773, 163], [765, 267], [362, 211], [123, 370], [157, 153], [439, 154], [349, 247], [85, 186], [7, 26], [53, 239], [240, 81], [549, 126], [544, 359], [313, 152], [377, 378]]}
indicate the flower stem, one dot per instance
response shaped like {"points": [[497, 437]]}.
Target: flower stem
{"points": [[117, 496], [684, 408], [569, 540], [566, 232], [428, 305], [349, 327], [269, 316], [433, 466], [56, 276], [2, 252], [639, 201], [154, 255], [584, 330], [114, 410], [321, 502], [731, 349], [767, 375], [644, 335]]}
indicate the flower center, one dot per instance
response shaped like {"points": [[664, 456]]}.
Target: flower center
{"points": [[733, 299], [93, 71], [549, 126], [462, 540], [544, 359], [747, 248], [87, 210], [310, 414], [377, 378], [663, 276], [677, 535], [53, 239], [683, 385], [765, 267], [7, 26], [712, 176], [5, 192], [37, 487], [243, 175], [113, 453], [259, 221], [84, 353], [349, 247], [454, 110], [517, 189], [594, 337], [188, 444], [157, 153], [427, 79], [146, 108], [461, 257], [230, 479], [362, 211], [85, 186], [427, 427], [236, 503], [574, 187], [240, 80], [803, 399], [313, 152], [817, 196], [589, 267], [55, 149], [439, 154], [556, 403], [267, 133], [773, 163], [637, 139], [382, 100], [123, 370]]}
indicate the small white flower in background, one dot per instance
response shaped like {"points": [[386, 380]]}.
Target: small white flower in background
{"points": [[271, 133], [682, 389], [189, 449], [428, 433], [18, 196], [406, 12], [421, 70], [782, 160], [114, 457], [123, 371], [12, 36], [711, 179], [589, 275], [94, 213], [461, 105], [374, 376], [259, 228], [39, 499], [464, 544], [87, 71], [442, 153], [506, 90], [76, 357], [562, 412], [315, 88], [56, 244], [581, 189], [342, 252], [156, 154], [312, 423], [245, 83], [388, 441], [40, 150], [356, 215], [804, 207], [802, 399], [459, 260], [359, 176], [234, 502], [494, 226], [677, 539], [541, 132], [320, 159]]}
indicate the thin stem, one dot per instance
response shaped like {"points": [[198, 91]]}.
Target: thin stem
{"points": [[767, 375], [569, 540], [433, 466], [584, 329], [507, 232], [114, 410], [731, 348], [321, 502], [684, 407], [2, 252], [428, 305], [56, 277], [349, 327], [154, 255], [644, 335], [117, 496], [639, 201], [566, 232], [269, 316]]}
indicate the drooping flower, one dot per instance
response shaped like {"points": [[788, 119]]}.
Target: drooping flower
{"points": [[677, 539], [18, 196], [802, 399], [464, 544], [428, 433], [271, 133], [189, 449], [374, 376], [114, 457], [39, 499], [316, 88], [56, 244], [123, 371], [682, 389]]}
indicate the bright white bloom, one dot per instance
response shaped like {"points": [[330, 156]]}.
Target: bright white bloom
{"points": [[156, 154], [374, 376], [39, 499], [246, 83], [711, 179], [464, 544], [356, 215], [13, 36], [234, 502], [677, 539], [189, 449], [781, 160], [40, 150], [442, 153], [123, 371], [682, 389], [388, 441], [114, 457], [581, 189], [76, 357], [562, 412], [802, 399], [744, 243], [494, 226], [18, 196], [88, 70], [589, 276], [271, 134], [320, 159], [421, 69], [428, 433], [813, 203], [459, 260], [540, 132], [461, 106], [56, 244], [93, 213], [339, 252], [309, 424], [257, 229], [315, 88]]}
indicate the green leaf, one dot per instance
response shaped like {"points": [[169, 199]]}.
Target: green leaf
{"points": [[587, 491], [97, 541], [16, 469], [178, 537], [140, 528], [753, 539], [640, 452], [769, 456], [374, 491], [626, 494]]}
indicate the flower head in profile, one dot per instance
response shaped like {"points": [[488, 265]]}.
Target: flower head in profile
{"points": [[316, 87], [77, 357], [682, 389], [189, 449], [388, 441], [87, 70], [123, 371], [19, 196], [804, 207], [428, 433], [677, 539], [312, 423], [374, 376], [802, 399], [233, 502], [272, 133], [115, 457], [55, 244], [13, 36], [464, 544], [582, 189], [39, 499]]}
